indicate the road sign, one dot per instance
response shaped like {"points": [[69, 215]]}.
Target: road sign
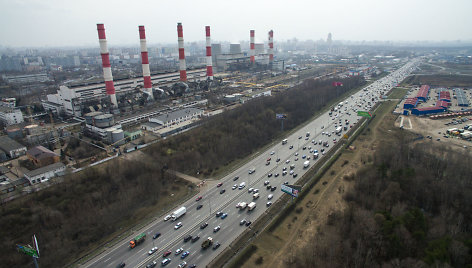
{"points": [[292, 190], [365, 114], [280, 116], [28, 251]]}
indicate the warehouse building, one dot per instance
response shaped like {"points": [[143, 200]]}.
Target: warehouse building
{"points": [[423, 93], [461, 97], [445, 96], [176, 117], [42, 156], [45, 173], [410, 103], [428, 110], [12, 148]]}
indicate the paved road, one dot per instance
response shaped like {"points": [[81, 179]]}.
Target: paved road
{"points": [[214, 201]]}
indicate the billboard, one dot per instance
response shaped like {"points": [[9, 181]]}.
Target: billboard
{"points": [[292, 190], [28, 251], [365, 114], [280, 116]]}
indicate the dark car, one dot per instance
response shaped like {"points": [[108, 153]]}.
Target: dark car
{"points": [[268, 186], [199, 207], [248, 223], [152, 264], [204, 225], [236, 178], [295, 175], [187, 238], [219, 213], [273, 188], [167, 253], [156, 235], [216, 245], [269, 175], [195, 238], [193, 266], [219, 184], [222, 191], [121, 265]]}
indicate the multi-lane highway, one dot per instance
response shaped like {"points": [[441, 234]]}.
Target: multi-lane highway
{"points": [[298, 148]]}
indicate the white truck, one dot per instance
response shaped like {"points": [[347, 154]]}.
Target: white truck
{"points": [[251, 206], [339, 130], [178, 213], [255, 196], [306, 164], [242, 205]]}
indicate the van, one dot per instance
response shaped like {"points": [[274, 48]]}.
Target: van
{"points": [[255, 196], [242, 185], [284, 141], [252, 170]]}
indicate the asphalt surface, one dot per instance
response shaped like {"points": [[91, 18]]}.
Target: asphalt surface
{"points": [[213, 201]]}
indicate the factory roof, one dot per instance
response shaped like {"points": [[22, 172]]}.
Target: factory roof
{"points": [[45, 169], [6, 109], [7, 144], [177, 114], [39, 152], [424, 91]]}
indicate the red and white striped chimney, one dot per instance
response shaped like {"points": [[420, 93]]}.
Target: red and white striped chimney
{"points": [[110, 87], [208, 54], [253, 47], [271, 46], [145, 61], [183, 67]]}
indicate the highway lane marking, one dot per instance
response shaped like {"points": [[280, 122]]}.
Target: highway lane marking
{"points": [[107, 259]]}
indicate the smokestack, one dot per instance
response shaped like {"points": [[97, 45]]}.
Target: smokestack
{"points": [[208, 54], [271, 47], [252, 52], [110, 87], [145, 61], [183, 67]]}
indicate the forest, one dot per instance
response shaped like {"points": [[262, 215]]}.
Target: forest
{"points": [[411, 208], [74, 216]]}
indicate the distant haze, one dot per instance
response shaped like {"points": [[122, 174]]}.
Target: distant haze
{"points": [[58, 23]]}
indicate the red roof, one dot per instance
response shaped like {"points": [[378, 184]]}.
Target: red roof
{"points": [[424, 90]]}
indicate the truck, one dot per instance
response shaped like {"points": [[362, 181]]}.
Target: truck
{"points": [[137, 240], [242, 205], [306, 164], [284, 141], [339, 130], [251, 206], [207, 243], [178, 213]]}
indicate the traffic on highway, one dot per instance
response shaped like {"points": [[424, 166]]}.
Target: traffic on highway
{"points": [[195, 232]]}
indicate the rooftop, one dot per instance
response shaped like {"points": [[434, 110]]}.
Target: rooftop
{"points": [[45, 169], [177, 114], [39, 152], [7, 144]]}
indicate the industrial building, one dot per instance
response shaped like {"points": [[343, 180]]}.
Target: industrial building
{"points": [[72, 100], [102, 126], [41, 156], [26, 78], [43, 174], [423, 93], [427, 110], [444, 96], [410, 103], [176, 117], [11, 116], [461, 97], [12, 148]]}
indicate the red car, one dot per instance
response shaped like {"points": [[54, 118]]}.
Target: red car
{"points": [[219, 184], [198, 198], [167, 253]]}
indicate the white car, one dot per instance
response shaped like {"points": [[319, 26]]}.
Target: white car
{"points": [[234, 186], [291, 172], [216, 229], [269, 197], [178, 225], [178, 251], [154, 249], [272, 153], [288, 161], [168, 217]]}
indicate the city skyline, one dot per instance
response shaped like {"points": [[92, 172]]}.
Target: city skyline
{"points": [[54, 23]]}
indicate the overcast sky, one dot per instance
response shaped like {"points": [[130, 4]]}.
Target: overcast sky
{"points": [[37, 23]]}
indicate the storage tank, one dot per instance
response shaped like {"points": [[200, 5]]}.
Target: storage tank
{"points": [[118, 135], [104, 120], [89, 117], [110, 134]]}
